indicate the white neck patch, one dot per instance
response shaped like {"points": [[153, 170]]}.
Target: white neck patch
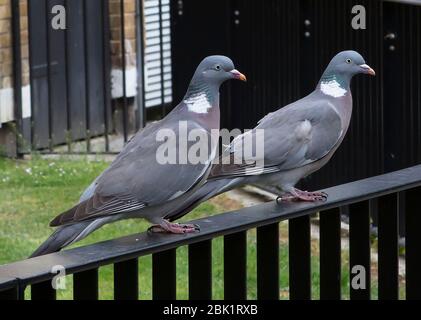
{"points": [[198, 103], [332, 88]]}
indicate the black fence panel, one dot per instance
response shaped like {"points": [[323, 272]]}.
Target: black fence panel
{"points": [[283, 48]]}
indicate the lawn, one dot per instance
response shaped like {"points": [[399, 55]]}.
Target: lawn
{"points": [[32, 192]]}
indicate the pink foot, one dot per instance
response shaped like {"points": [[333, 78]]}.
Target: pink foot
{"points": [[178, 228], [299, 195]]}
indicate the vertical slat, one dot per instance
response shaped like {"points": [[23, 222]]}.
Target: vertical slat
{"points": [[299, 258], [106, 57], [413, 244], [9, 294], [85, 285], [200, 270], [388, 262], [330, 254], [140, 62], [123, 67], [126, 280], [17, 72], [359, 250], [161, 55], [164, 275], [87, 83], [268, 262], [43, 291], [235, 266]]}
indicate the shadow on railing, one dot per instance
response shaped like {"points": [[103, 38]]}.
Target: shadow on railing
{"points": [[384, 191]]}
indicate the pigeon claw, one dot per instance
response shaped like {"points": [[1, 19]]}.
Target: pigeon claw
{"points": [[176, 228]]}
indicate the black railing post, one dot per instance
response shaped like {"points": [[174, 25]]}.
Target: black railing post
{"points": [[299, 258], [413, 244], [43, 291], [388, 261], [126, 280], [359, 251], [85, 285], [330, 254], [200, 270], [164, 275], [268, 262], [235, 268]]}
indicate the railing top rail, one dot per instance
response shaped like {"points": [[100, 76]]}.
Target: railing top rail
{"points": [[111, 251], [410, 2]]}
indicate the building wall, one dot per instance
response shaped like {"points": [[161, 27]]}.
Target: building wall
{"points": [[6, 61]]}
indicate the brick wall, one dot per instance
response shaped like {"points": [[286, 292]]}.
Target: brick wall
{"points": [[6, 72], [6, 44], [130, 32]]}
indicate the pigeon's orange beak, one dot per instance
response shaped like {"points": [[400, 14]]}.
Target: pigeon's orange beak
{"points": [[238, 75], [367, 69]]}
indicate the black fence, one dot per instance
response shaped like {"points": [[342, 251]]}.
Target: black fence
{"points": [[283, 48], [381, 193]]}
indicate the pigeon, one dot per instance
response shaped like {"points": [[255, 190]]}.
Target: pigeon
{"points": [[138, 183], [299, 139]]}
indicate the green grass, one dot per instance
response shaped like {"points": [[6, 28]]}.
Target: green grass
{"points": [[33, 192]]}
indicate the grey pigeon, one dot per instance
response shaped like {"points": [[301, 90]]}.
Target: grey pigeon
{"points": [[299, 139], [137, 184]]}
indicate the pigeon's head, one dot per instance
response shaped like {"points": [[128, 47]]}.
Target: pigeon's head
{"points": [[348, 63], [217, 69]]}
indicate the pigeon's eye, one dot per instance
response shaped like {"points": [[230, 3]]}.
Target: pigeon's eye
{"points": [[217, 67], [348, 61]]}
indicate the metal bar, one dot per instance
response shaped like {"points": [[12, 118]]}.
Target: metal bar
{"points": [[17, 72], [67, 68], [50, 108], [299, 258], [413, 244], [200, 270], [161, 55], [164, 275], [268, 262], [123, 62], [10, 294], [140, 61], [87, 90], [31, 76], [43, 291], [126, 280], [106, 60], [388, 262], [330, 254], [359, 250], [235, 266], [85, 285]]}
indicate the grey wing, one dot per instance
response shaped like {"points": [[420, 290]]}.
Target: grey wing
{"points": [[136, 179], [293, 137]]}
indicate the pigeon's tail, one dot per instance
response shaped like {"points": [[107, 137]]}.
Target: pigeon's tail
{"points": [[64, 236], [209, 190]]}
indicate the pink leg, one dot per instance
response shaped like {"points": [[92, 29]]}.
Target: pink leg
{"points": [[299, 195], [178, 228]]}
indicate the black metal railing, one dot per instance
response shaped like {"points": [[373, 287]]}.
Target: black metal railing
{"points": [[382, 193]]}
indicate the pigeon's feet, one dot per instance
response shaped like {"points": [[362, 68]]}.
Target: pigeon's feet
{"points": [[178, 228], [300, 195]]}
